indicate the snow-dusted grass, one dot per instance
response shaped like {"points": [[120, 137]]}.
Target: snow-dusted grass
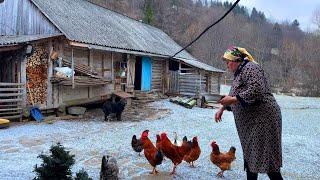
{"points": [[89, 140]]}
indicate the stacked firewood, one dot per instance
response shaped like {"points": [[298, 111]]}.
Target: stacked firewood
{"points": [[37, 68]]}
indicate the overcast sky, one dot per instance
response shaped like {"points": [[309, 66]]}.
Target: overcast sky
{"points": [[281, 10]]}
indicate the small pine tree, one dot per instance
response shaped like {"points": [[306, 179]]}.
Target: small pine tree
{"points": [[148, 14], [55, 166], [82, 175]]}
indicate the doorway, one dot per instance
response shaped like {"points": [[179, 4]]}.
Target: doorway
{"points": [[143, 74]]}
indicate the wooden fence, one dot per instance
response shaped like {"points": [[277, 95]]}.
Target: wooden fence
{"points": [[11, 97]]}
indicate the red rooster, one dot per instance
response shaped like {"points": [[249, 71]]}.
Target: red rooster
{"points": [[173, 152], [152, 154]]}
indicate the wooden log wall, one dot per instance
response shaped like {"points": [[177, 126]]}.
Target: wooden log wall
{"points": [[191, 83], [37, 72], [157, 75], [214, 83]]}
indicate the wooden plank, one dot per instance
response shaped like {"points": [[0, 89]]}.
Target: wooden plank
{"points": [[189, 77], [90, 63], [8, 105], [11, 84], [191, 81], [9, 100], [49, 100], [157, 71], [10, 109], [10, 117], [78, 44], [10, 48], [23, 78], [10, 94], [10, 113], [123, 94], [10, 89]]}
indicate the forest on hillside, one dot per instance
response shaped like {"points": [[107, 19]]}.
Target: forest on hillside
{"points": [[289, 56]]}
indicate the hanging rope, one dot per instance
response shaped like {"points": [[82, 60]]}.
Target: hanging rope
{"points": [[220, 19]]}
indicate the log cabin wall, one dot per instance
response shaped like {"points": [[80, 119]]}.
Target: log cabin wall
{"points": [[192, 83], [158, 67], [214, 80]]}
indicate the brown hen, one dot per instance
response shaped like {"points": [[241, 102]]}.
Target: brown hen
{"points": [[194, 153], [222, 160]]}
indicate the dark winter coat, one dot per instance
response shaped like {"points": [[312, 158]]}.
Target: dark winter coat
{"points": [[257, 118]]}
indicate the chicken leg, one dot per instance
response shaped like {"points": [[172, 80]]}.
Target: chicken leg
{"points": [[173, 170], [154, 171], [220, 174]]}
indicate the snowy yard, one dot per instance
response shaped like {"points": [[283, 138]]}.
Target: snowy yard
{"points": [[89, 140]]}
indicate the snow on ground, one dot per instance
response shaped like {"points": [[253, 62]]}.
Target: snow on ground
{"points": [[89, 140]]}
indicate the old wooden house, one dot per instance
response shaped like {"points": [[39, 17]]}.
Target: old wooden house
{"points": [[54, 53]]}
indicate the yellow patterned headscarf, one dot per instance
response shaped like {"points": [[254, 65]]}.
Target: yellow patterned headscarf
{"points": [[234, 53]]}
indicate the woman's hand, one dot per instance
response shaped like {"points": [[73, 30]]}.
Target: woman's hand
{"points": [[228, 100], [218, 115]]}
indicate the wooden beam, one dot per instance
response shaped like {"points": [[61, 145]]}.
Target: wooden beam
{"points": [[10, 48], [90, 64], [72, 67], [50, 74], [72, 43], [11, 84]]}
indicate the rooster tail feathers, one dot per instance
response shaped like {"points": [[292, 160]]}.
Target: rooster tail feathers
{"points": [[185, 139], [159, 156], [103, 163], [232, 149]]}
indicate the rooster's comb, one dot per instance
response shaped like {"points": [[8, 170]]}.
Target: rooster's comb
{"points": [[163, 135], [145, 133]]}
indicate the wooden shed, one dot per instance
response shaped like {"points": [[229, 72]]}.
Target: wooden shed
{"points": [[59, 53]]}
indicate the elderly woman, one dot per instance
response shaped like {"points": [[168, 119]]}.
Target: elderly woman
{"points": [[257, 115]]}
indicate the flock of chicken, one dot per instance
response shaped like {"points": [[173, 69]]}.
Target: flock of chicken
{"points": [[188, 151]]}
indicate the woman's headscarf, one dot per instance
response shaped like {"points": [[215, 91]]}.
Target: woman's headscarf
{"points": [[234, 53]]}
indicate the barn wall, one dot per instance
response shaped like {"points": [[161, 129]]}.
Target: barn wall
{"points": [[21, 17]]}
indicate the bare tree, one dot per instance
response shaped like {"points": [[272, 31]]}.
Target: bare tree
{"points": [[316, 18]]}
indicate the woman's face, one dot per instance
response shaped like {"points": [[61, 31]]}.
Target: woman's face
{"points": [[232, 66]]}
